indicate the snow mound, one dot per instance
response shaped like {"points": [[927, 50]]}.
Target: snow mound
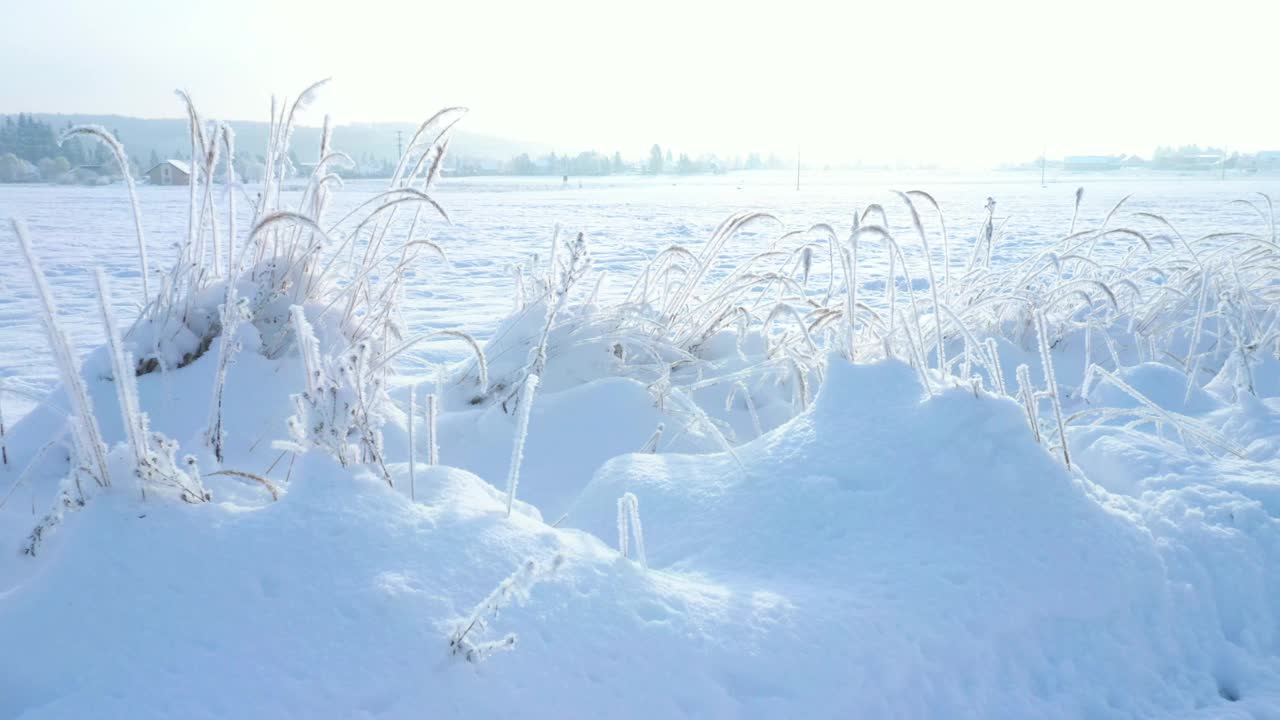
{"points": [[336, 601], [571, 433], [939, 563]]}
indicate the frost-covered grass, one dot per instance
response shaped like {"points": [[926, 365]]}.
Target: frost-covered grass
{"points": [[890, 464]]}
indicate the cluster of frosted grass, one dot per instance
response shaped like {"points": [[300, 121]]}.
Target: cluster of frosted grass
{"points": [[1130, 290], [331, 288]]}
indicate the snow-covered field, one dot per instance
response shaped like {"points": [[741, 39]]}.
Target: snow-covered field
{"points": [[502, 221], [835, 521]]}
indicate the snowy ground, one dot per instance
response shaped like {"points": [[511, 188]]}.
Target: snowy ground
{"points": [[891, 542]]}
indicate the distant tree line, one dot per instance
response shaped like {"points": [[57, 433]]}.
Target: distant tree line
{"points": [[29, 152], [1171, 158], [1182, 158], [592, 163], [660, 163]]}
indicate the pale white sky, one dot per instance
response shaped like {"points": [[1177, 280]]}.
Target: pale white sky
{"points": [[957, 82]]}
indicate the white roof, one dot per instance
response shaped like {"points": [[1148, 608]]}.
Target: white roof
{"points": [[181, 166]]}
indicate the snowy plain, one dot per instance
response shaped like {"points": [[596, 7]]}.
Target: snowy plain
{"points": [[893, 546]]}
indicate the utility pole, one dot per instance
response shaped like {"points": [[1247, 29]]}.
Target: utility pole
{"points": [[1044, 158], [399, 144]]}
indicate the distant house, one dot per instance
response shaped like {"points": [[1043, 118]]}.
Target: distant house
{"points": [[170, 172], [1092, 162]]}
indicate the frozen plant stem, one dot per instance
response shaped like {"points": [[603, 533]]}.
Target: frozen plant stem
{"points": [[1047, 360], [135, 425], [522, 430], [413, 410], [4, 444], [122, 160], [433, 447], [513, 589], [215, 435], [1027, 392], [629, 528], [651, 445]]}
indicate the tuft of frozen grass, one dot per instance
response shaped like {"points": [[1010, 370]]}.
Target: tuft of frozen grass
{"points": [[154, 455], [291, 254], [342, 400], [90, 447], [933, 281]]}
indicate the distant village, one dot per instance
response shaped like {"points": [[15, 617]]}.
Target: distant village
{"points": [[30, 153]]}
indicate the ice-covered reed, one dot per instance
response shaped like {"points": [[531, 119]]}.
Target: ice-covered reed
{"points": [[433, 441], [122, 160], [1051, 384], [651, 445], [232, 311], [4, 442], [91, 450], [413, 443], [523, 411], [630, 532], [514, 588]]}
